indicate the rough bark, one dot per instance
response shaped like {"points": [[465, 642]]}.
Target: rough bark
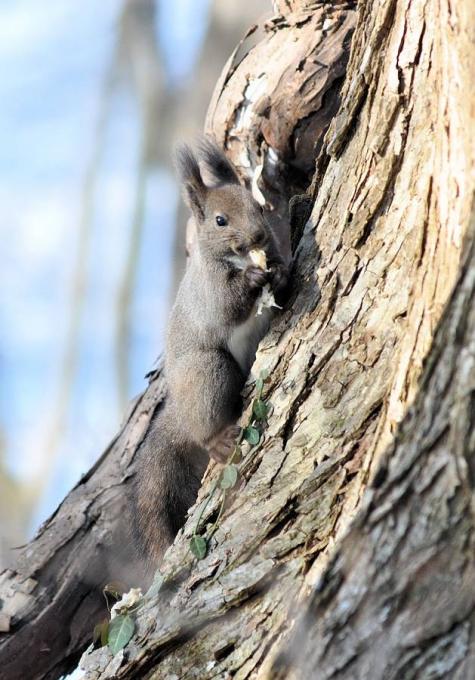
{"points": [[276, 97], [379, 258], [375, 268], [52, 598], [398, 600]]}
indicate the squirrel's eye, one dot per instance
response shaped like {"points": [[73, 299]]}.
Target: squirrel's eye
{"points": [[221, 221]]}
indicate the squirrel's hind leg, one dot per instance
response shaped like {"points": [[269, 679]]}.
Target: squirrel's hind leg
{"points": [[221, 446], [208, 388]]}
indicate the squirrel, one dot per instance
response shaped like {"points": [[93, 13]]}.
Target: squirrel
{"points": [[211, 342]]}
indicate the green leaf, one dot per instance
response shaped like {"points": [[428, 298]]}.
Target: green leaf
{"points": [[259, 385], [157, 583], [121, 630], [264, 374], [198, 546], [251, 435], [260, 409], [229, 477]]}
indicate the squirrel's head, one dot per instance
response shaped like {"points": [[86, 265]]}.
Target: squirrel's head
{"points": [[229, 221]]}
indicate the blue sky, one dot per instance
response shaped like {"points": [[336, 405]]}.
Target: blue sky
{"points": [[52, 67]]}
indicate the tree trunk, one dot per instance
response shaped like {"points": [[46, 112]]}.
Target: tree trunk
{"points": [[398, 601], [291, 585], [376, 265], [51, 598]]}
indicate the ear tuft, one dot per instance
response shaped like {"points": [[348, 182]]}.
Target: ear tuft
{"points": [[194, 189], [220, 168], [187, 165]]}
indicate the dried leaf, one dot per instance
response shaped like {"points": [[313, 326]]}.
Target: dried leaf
{"points": [[115, 588], [100, 633], [237, 454]]}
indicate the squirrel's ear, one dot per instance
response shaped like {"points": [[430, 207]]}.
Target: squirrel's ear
{"points": [[220, 168], [194, 189]]}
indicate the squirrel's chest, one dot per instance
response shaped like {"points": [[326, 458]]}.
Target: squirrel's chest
{"points": [[244, 339]]}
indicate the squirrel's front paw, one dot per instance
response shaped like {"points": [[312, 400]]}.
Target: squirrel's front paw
{"points": [[279, 277], [256, 277]]}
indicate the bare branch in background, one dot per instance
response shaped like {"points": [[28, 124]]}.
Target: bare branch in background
{"points": [[68, 363], [138, 54]]}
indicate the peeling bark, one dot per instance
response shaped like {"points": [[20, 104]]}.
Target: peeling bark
{"points": [[277, 95]]}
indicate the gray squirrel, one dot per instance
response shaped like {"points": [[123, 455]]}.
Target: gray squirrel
{"points": [[211, 343]]}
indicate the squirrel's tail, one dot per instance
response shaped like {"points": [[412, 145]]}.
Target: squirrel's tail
{"points": [[168, 476]]}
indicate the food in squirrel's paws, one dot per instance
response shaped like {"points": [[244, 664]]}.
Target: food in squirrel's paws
{"points": [[266, 299], [259, 258]]}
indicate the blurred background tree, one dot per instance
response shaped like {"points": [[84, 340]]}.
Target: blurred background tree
{"points": [[94, 98]]}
